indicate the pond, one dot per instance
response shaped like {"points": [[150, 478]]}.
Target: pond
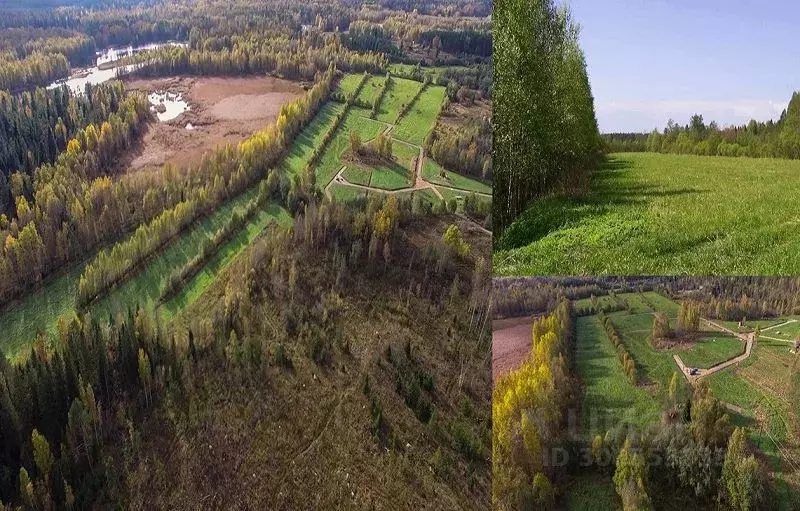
{"points": [[168, 105], [94, 75]]}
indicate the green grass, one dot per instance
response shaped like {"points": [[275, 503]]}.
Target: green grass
{"points": [[788, 332], [609, 398], [421, 117], [303, 146], [348, 84], [432, 173], [195, 287], [664, 214], [344, 193], [727, 387], [371, 89], [390, 177], [399, 93], [330, 162], [712, 350], [357, 174]]}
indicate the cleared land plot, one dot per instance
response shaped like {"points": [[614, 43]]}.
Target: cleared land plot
{"points": [[712, 350], [331, 161], [641, 217], [344, 193], [311, 137], [223, 111], [400, 92], [348, 84], [421, 117], [609, 398], [432, 174], [592, 492], [371, 89]]}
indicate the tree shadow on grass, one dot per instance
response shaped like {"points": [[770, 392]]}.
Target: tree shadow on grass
{"points": [[610, 190]]}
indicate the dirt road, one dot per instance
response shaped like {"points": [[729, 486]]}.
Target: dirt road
{"points": [[747, 338]]}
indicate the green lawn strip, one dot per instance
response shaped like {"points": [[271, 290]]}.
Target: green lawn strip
{"points": [[272, 213], [711, 350], [400, 92], [357, 174], [343, 193], [432, 173], [390, 177], [609, 398], [420, 119], [371, 89], [348, 84], [749, 325], [426, 194], [144, 287], [662, 303], [602, 300], [38, 311], [640, 217], [330, 162], [303, 145]]}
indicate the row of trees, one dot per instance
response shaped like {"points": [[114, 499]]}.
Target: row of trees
{"points": [[284, 57], [250, 162], [79, 49], [771, 139], [527, 416], [36, 126], [625, 358], [546, 138]]}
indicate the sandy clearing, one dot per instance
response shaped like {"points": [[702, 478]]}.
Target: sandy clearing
{"points": [[223, 111], [511, 344]]}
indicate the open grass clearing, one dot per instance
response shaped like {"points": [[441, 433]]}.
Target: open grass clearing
{"points": [[432, 173], [348, 84], [609, 398], [371, 89], [711, 350], [421, 117], [641, 217], [344, 193], [331, 162], [399, 93], [309, 138]]}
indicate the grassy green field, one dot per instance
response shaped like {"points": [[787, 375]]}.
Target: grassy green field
{"points": [[348, 84], [330, 162], [421, 117], [345, 193], [311, 137], [609, 398], [431, 172], [371, 89], [641, 217], [711, 350], [400, 92]]}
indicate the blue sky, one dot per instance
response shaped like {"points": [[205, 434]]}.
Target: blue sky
{"points": [[651, 60]]}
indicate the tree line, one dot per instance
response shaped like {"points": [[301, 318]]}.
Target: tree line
{"points": [[35, 70], [467, 149], [770, 139], [552, 143]]}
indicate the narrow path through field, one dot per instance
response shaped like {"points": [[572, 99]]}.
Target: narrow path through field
{"points": [[780, 324], [747, 338]]}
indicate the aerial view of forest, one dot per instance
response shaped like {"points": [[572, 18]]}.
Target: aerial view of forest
{"points": [[224, 230]]}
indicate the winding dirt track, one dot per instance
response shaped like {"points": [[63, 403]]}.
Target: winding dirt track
{"points": [[747, 338]]}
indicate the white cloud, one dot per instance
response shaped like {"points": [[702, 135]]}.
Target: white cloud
{"points": [[646, 115]]}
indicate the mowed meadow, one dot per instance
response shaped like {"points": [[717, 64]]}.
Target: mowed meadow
{"points": [[662, 214]]}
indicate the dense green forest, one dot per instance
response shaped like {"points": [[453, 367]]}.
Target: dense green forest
{"points": [[546, 139], [770, 139]]}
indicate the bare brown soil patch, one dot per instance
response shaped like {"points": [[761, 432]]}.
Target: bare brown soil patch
{"points": [[223, 111], [511, 344]]}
